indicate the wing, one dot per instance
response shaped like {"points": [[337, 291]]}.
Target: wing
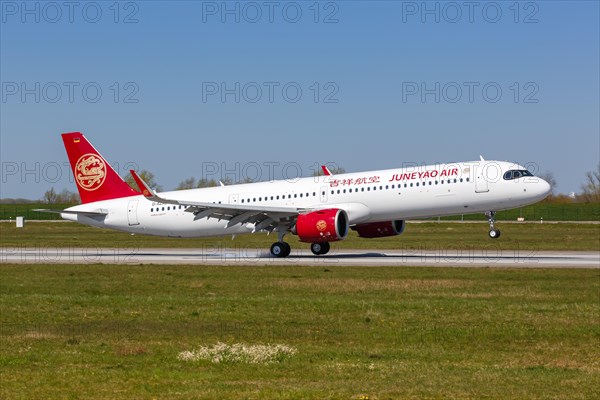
{"points": [[263, 218]]}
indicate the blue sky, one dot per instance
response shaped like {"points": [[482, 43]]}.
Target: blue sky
{"points": [[362, 84]]}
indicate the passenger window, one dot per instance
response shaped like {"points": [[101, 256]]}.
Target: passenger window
{"points": [[242, 200], [362, 189], [295, 196], [163, 209], [430, 183], [152, 210]]}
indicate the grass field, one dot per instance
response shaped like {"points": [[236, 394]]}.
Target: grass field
{"points": [[416, 236], [546, 210], [115, 332]]}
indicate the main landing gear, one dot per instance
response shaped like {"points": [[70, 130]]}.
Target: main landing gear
{"points": [[318, 249], [281, 249], [494, 233]]}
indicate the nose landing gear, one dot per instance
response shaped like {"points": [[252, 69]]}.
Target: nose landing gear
{"points": [[493, 233]]}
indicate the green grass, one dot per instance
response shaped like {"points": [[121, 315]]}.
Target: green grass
{"points": [[546, 210], [416, 236], [114, 332]]}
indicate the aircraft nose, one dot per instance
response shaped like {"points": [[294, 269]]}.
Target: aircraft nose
{"points": [[544, 188]]}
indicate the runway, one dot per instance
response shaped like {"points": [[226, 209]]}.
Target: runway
{"points": [[242, 256]]}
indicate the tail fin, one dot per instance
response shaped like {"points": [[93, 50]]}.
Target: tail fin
{"points": [[96, 180]]}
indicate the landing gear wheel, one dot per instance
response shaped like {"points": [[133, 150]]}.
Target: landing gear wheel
{"points": [[319, 248], [280, 249], [494, 233], [288, 249]]}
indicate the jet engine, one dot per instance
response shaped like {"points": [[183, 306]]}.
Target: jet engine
{"points": [[328, 225], [380, 229]]}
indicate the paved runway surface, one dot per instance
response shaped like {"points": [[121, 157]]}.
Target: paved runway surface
{"points": [[239, 256]]}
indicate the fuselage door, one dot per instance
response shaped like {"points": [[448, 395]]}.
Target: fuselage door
{"points": [[323, 194], [132, 218], [481, 183], [234, 198]]}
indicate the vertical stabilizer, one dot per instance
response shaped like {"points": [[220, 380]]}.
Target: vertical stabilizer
{"points": [[96, 180]]}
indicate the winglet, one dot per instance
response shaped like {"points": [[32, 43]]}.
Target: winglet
{"points": [[144, 188], [326, 170], [481, 158]]}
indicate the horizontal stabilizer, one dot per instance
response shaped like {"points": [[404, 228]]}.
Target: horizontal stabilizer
{"points": [[86, 213]]}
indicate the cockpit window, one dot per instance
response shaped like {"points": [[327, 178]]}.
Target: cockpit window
{"points": [[516, 173]]}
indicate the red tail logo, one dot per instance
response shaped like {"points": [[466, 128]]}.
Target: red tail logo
{"points": [[90, 172], [95, 178]]}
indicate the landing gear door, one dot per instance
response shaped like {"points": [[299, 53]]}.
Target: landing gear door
{"points": [[132, 218]]}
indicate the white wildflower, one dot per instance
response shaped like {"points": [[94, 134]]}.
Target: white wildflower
{"points": [[239, 353]]}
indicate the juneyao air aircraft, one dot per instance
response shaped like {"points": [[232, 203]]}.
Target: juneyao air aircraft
{"points": [[319, 210]]}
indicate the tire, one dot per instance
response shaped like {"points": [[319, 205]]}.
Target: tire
{"points": [[494, 233], [288, 249], [280, 249], [319, 248]]}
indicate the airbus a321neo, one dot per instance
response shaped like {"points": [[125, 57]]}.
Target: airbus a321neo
{"points": [[319, 210]]}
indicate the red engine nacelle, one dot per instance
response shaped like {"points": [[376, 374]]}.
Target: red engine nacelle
{"points": [[380, 229], [322, 226]]}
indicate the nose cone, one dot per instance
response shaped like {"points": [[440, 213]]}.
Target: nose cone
{"points": [[543, 189]]}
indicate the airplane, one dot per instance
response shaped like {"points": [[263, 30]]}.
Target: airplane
{"points": [[319, 210]]}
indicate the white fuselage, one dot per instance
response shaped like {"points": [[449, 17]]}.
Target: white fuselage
{"points": [[385, 195]]}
